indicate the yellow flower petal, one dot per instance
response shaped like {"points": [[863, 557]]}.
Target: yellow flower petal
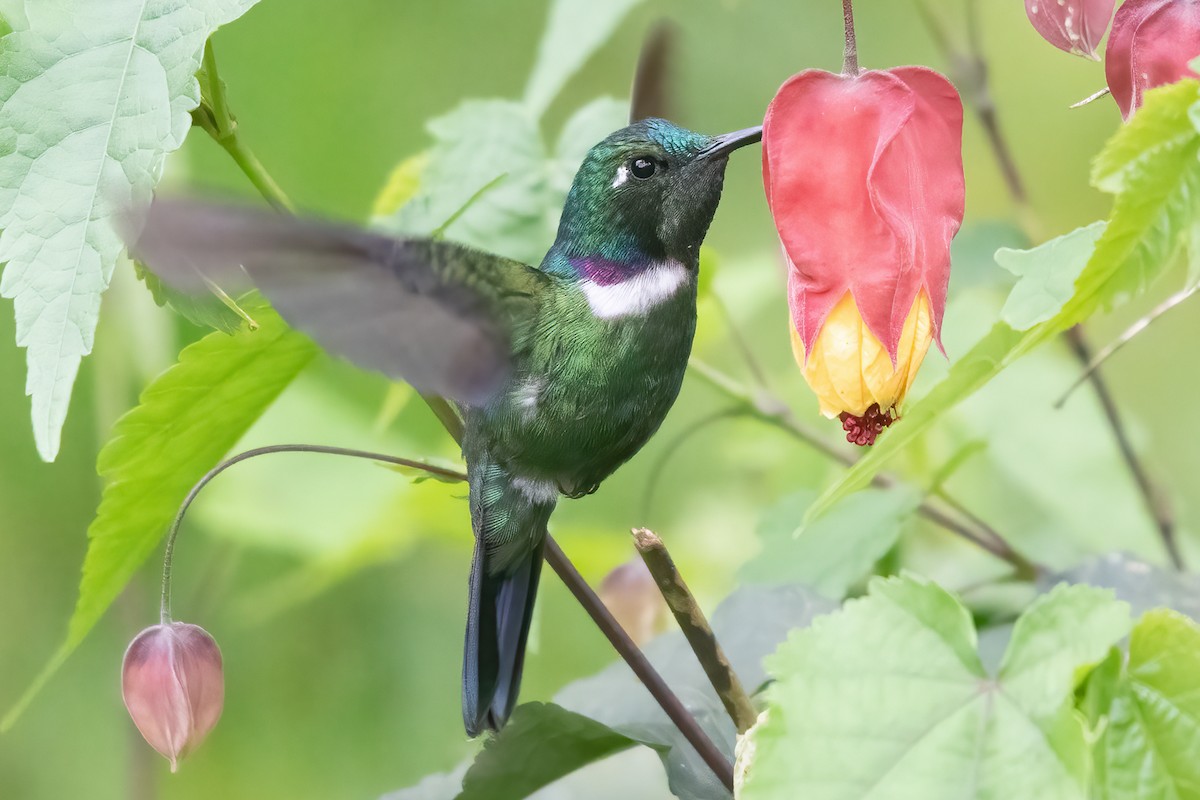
{"points": [[850, 370]]}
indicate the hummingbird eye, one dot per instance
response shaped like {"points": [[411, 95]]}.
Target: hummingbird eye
{"points": [[642, 167]]}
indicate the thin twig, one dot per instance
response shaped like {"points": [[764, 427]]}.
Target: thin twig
{"points": [[173, 531], [1156, 502], [1127, 336], [979, 96], [1091, 98], [641, 666], [695, 628], [769, 409], [850, 54], [651, 93]]}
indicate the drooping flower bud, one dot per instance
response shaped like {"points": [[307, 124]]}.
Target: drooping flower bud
{"points": [[1151, 44], [1076, 26], [864, 178], [174, 687], [631, 596]]}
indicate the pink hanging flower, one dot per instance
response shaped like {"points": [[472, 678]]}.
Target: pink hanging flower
{"points": [[1151, 44], [864, 178], [1076, 26], [174, 687]]}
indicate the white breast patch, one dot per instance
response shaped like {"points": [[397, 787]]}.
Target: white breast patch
{"points": [[637, 295]]}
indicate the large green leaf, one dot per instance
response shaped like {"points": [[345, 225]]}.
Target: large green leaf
{"points": [[187, 419], [1152, 162], [575, 30], [1149, 714], [500, 141], [837, 550], [92, 97], [540, 744], [889, 698]]}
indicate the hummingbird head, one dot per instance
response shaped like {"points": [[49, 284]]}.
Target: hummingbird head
{"points": [[647, 192]]}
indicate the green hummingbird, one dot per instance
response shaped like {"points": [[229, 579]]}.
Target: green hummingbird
{"points": [[560, 372]]}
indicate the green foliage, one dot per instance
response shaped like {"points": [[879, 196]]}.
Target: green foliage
{"points": [[889, 698], [1152, 165], [834, 552], [540, 744], [1147, 713], [205, 310], [486, 141], [575, 30], [187, 419], [92, 98], [1046, 274]]}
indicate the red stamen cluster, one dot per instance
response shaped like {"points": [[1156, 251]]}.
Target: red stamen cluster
{"points": [[863, 430]]}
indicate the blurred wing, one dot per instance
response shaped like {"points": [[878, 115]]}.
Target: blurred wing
{"points": [[438, 315]]}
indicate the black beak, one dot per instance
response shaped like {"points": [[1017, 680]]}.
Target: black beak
{"points": [[726, 143]]}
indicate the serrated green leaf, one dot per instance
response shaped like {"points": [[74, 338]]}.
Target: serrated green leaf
{"points": [[186, 420], [889, 698], [540, 744], [92, 98], [574, 31], [1149, 715], [836, 551], [1047, 275], [498, 145], [206, 310], [1159, 201]]}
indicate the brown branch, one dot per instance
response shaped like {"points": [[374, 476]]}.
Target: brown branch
{"points": [[767, 408], [641, 666], [1155, 500], [695, 629], [850, 66], [970, 70]]}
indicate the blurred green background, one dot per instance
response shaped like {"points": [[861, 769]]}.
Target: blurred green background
{"points": [[337, 589]]}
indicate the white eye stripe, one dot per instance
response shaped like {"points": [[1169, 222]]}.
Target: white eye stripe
{"points": [[622, 176]]}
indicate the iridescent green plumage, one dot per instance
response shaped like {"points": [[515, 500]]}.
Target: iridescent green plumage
{"points": [[561, 372]]}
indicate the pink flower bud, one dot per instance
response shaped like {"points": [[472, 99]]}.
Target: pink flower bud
{"points": [[864, 178], [1076, 26], [634, 600], [174, 687], [1151, 44]]}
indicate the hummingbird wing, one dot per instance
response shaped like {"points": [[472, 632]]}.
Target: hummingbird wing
{"points": [[438, 315]]}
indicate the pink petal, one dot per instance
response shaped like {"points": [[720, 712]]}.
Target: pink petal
{"points": [[1151, 44], [1076, 26], [864, 180]]}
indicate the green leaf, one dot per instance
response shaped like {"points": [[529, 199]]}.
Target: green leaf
{"points": [[401, 186], [889, 698], [1047, 275], [750, 623], [92, 98], [187, 419], [837, 550], [1149, 715], [486, 142], [575, 30], [1159, 202], [206, 310], [540, 744]]}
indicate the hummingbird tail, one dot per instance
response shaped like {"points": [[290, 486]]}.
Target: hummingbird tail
{"points": [[501, 609], [509, 517]]}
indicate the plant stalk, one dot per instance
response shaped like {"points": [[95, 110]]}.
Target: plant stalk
{"points": [[850, 66]]}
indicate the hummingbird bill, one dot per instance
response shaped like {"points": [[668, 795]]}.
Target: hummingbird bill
{"points": [[561, 371]]}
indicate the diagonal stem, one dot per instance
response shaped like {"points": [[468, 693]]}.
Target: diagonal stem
{"points": [[972, 74]]}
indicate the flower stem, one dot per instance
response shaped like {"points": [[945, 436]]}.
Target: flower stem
{"points": [[850, 66], [173, 531]]}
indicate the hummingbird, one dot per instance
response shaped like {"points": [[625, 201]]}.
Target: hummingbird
{"points": [[561, 372]]}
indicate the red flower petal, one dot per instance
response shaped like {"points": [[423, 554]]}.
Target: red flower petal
{"points": [[1076, 26], [864, 179], [1151, 44]]}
